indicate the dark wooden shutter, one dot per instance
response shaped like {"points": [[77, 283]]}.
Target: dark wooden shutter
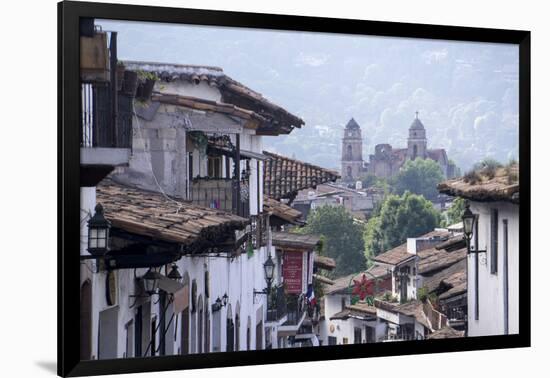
{"points": [[138, 332], [494, 241]]}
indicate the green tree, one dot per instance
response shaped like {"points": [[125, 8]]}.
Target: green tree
{"points": [[454, 213], [373, 239], [342, 238], [371, 181], [419, 176], [401, 217]]}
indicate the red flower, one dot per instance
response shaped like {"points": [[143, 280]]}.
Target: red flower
{"points": [[363, 287]]}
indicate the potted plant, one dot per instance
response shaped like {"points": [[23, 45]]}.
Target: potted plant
{"points": [[146, 84], [120, 68], [130, 83]]}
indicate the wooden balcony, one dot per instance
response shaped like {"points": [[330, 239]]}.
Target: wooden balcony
{"points": [[277, 311], [105, 121], [219, 193]]}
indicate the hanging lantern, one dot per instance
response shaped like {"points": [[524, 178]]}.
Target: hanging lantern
{"points": [[175, 274], [98, 233], [151, 281]]}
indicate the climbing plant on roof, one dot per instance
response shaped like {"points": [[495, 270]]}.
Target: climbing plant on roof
{"points": [[199, 140]]}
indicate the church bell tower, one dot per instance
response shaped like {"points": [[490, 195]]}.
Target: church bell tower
{"points": [[352, 155], [417, 144]]}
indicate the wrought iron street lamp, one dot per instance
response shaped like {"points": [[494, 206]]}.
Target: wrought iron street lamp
{"points": [[151, 281], [225, 299], [469, 220], [269, 271], [174, 274], [220, 302], [98, 233]]}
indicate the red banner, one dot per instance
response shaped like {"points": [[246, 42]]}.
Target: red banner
{"points": [[292, 272]]}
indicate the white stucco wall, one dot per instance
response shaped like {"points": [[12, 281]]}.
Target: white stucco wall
{"points": [[491, 286], [345, 328], [160, 158], [237, 277], [185, 88]]}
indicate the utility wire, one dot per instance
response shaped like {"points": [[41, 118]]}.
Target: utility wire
{"points": [[148, 158]]}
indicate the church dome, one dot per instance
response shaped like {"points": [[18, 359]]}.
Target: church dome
{"points": [[416, 124], [352, 124]]}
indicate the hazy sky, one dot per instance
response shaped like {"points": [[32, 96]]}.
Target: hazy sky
{"points": [[466, 93]]}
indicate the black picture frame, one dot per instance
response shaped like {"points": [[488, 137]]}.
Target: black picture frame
{"points": [[68, 185]]}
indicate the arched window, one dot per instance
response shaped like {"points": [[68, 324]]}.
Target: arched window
{"points": [[230, 331], [200, 325], [248, 325], [184, 349], [349, 172], [237, 327], [349, 155], [415, 151]]}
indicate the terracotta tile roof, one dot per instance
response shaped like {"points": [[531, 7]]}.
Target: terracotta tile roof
{"points": [[504, 186], [149, 214], [453, 243], [291, 240], [433, 259], [399, 254], [282, 211], [433, 282], [395, 255], [414, 309], [446, 333], [358, 310], [285, 177], [363, 307], [324, 262], [341, 284], [279, 120], [323, 280], [457, 283], [213, 106]]}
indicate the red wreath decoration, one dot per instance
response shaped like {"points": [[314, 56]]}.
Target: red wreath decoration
{"points": [[363, 287]]}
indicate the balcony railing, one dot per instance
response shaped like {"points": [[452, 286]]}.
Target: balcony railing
{"points": [[295, 310], [106, 116], [278, 307], [220, 194]]}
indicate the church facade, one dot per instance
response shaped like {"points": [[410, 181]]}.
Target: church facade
{"points": [[386, 160]]}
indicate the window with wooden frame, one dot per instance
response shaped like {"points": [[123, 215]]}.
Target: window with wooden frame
{"points": [[215, 166], [494, 241]]}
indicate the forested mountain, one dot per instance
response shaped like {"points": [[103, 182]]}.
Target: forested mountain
{"points": [[466, 93]]}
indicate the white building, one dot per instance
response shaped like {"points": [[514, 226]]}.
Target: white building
{"points": [[493, 275], [344, 322], [190, 196]]}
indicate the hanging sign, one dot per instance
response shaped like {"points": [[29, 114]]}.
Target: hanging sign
{"points": [[292, 272]]}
